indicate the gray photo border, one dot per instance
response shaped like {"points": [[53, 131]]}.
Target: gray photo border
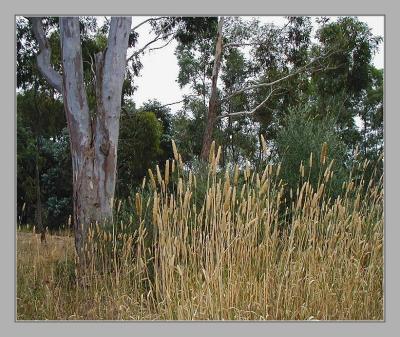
{"points": [[205, 7]]}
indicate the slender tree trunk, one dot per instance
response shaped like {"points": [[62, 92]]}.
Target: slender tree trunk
{"points": [[230, 127], [212, 107], [39, 220], [365, 133]]}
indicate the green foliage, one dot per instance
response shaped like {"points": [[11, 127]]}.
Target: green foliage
{"points": [[192, 29], [343, 94], [340, 89], [56, 180], [354, 46], [163, 115], [93, 40], [371, 113], [43, 139], [139, 147], [26, 154], [188, 130], [303, 135]]}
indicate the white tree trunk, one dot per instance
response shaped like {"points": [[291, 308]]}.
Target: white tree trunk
{"points": [[93, 141]]}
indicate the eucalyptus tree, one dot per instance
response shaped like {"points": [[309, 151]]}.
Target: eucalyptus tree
{"points": [[93, 75], [287, 70], [93, 135], [340, 90]]}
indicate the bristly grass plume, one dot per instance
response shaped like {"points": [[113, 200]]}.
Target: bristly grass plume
{"points": [[238, 251]]}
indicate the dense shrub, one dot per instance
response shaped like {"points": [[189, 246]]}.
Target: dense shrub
{"points": [[301, 141], [139, 147]]}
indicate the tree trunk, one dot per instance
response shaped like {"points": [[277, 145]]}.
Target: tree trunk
{"points": [[39, 220], [212, 107], [94, 140]]}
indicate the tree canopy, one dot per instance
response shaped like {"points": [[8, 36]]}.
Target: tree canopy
{"points": [[300, 84]]}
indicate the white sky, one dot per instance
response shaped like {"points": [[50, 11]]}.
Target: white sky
{"points": [[157, 79]]}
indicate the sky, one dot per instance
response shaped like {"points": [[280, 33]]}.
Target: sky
{"points": [[157, 79]]}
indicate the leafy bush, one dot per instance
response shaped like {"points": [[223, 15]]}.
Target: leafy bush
{"points": [[139, 147], [301, 141]]}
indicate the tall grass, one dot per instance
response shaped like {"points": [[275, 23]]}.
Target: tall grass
{"points": [[236, 251]]}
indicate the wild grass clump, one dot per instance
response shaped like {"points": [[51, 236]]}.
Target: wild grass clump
{"points": [[227, 256]]}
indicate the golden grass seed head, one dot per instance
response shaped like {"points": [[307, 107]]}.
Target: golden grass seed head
{"points": [[159, 178], [190, 178], [180, 186], [301, 169], [138, 204], [227, 196], [324, 153], [236, 174], [264, 175], [166, 175], [175, 150], [180, 162], [247, 170], [269, 169], [173, 166], [242, 191], [152, 180], [218, 155], [211, 153], [155, 207], [264, 187], [264, 144], [227, 181], [278, 170]]}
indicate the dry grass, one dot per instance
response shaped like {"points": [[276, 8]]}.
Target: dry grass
{"points": [[230, 259]]}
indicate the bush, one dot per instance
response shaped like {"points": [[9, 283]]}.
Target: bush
{"points": [[139, 147], [301, 139]]}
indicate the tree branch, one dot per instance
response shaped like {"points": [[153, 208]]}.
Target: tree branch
{"points": [[177, 102], [44, 56], [257, 43], [252, 112], [164, 45], [239, 44], [159, 36], [148, 20], [270, 84], [114, 68]]}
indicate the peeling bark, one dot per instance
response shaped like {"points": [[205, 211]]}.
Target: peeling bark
{"points": [[93, 141]]}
